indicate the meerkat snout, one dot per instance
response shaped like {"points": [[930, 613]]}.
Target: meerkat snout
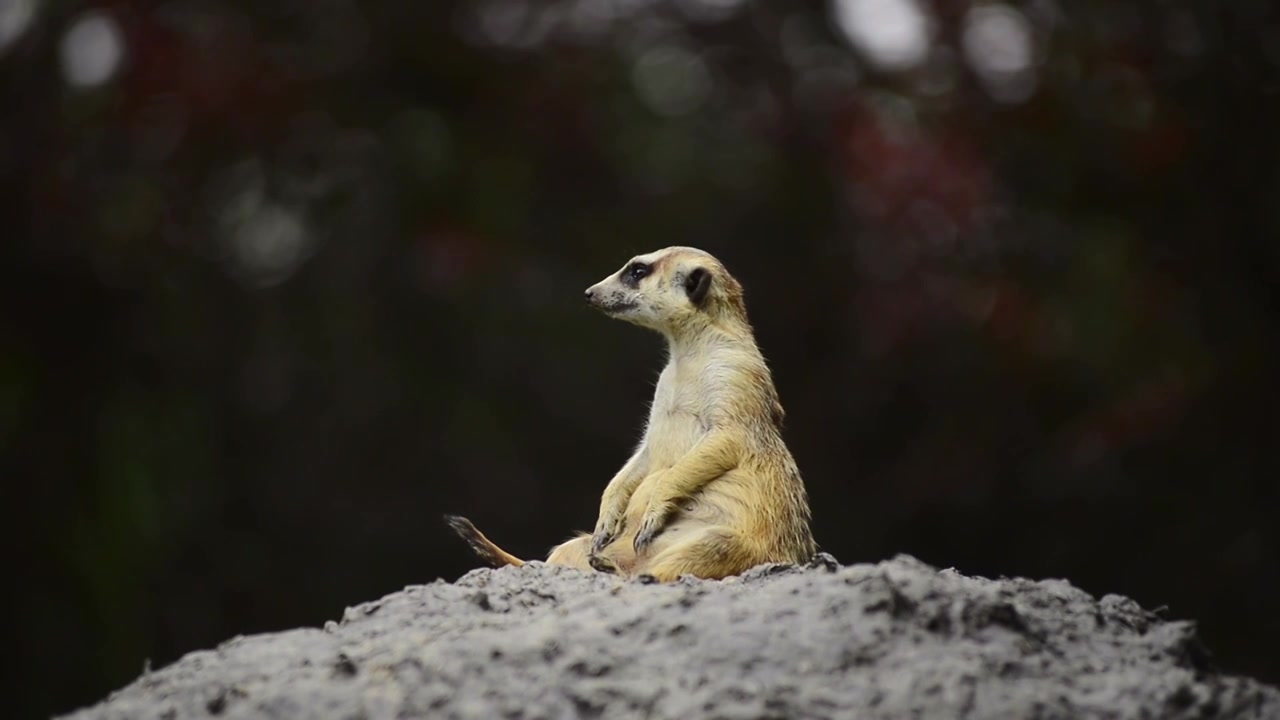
{"points": [[668, 291], [618, 294]]}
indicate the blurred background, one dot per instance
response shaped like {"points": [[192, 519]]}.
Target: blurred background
{"points": [[284, 280]]}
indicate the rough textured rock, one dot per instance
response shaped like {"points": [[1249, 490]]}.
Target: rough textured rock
{"points": [[897, 639]]}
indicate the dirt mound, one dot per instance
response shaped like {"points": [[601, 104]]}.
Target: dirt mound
{"points": [[897, 639]]}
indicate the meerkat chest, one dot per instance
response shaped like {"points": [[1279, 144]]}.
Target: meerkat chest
{"points": [[679, 416]]}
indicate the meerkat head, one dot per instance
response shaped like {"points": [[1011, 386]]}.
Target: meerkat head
{"points": [[672, 290]]}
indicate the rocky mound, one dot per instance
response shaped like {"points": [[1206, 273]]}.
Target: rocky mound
{"points": [[897, 639]]}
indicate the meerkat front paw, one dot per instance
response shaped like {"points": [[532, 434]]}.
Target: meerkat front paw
{"points": [[607, 530], [650, 525], [644, 536]]}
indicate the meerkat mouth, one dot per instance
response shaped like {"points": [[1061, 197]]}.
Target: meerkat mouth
{"points": [[616, 308]]}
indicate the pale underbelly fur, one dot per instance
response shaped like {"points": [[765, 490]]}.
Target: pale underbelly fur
{"points": [[706, 508]]}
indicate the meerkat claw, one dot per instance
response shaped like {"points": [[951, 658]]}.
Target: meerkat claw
{"points": [[601, 540], [645, 536], [601, 564]]}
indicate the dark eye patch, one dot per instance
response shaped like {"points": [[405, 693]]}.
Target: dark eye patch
{"points": [[635, 272]]}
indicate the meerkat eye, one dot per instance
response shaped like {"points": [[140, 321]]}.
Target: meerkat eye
{"points": [[635, 272]]}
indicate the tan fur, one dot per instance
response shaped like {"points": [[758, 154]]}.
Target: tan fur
{"points": [[711, 490]]}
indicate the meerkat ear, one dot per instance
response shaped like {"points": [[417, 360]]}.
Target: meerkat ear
{"points": [[696, 284]]}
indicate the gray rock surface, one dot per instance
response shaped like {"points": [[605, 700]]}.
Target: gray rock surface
{"points": [[897, 639]]}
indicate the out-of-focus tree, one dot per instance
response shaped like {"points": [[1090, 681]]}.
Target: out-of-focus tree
{"points": [[282, 281]]}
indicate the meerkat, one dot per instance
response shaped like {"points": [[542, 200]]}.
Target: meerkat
{"points": [[711, 490]]}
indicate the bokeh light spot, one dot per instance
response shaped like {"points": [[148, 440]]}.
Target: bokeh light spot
{"points": [[92, 50], [270, 243], [501, 21], [671, 80], [591, 19], [892, 34], [15, 18], [999, 47], [265, 239]]}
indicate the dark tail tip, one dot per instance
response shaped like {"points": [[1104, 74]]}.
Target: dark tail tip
{"points": [[464, 529], [458, 523], [479, 544]]}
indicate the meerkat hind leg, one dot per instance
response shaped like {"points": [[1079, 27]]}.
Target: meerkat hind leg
{"points": [[576, 553], [712, 553], [572, 553]]}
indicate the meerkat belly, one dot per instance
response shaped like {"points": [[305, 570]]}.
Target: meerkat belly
{"points": [[679, 435], [705, 508], [726, 500], [723, 502]]}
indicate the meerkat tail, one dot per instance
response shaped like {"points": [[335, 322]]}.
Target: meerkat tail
{"points": [[481, 545]]}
